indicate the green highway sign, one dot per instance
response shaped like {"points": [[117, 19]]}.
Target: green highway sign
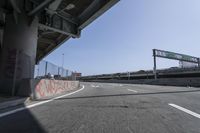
{"points": [[175, 56]]}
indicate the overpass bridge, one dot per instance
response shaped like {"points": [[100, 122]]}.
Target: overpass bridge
{"points": [[147, 74], [32, 29], [171, 76]]}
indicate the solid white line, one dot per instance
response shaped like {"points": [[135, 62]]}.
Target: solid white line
{"points": [[68, 94], [185, 110], [39, 103], [132, 90]]}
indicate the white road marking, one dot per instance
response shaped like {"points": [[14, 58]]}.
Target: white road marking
{"points": [[94, 86], [39, 103], [120, 85], [132, 90], [185, 110], [129, 129]]}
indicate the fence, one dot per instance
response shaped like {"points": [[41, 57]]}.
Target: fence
{"points": [[45, 68]]}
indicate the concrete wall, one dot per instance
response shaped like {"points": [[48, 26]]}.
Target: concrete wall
{"points": [[47, 88], [166, 81]]}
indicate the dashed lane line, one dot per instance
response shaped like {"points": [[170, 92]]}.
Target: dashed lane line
{"points": [[132, 90], [92, 85], [185, 110], [95, 86]]}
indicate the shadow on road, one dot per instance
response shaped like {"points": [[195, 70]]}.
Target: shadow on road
{"points": [[135, 94], [21, 122]]}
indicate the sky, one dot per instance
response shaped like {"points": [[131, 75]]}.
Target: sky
{"points": [[122, 39]]}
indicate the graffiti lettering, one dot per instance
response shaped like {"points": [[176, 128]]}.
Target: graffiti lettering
{"points": [[47, 88]]}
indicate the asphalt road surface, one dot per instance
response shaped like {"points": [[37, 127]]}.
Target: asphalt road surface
{"points": [[111, 108]]}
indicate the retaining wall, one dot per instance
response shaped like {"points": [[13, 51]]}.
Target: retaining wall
{"points": [[46, 88]]}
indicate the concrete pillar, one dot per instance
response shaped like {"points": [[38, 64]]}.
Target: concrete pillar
{"points": [[18, 53]]}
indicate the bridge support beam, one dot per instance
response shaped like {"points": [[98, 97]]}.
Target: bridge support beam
{"points": [[18, 53]]}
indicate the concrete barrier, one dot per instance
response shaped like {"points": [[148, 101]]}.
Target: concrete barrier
{"points": [[47, 88]]}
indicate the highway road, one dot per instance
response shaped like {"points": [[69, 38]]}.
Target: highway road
{"points": [[110, 108]]}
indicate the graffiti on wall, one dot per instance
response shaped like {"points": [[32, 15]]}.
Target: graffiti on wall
{"points": [[47, 88], [12, 64]]}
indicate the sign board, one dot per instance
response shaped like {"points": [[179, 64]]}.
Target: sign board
{"points": [[175, 56]]}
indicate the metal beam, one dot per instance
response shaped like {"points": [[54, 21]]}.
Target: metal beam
{"points": [[50, 49], [96, 9], [60, 25], [45, 40], [54, 6], [45, 33], [15, 6], [40, 7]]}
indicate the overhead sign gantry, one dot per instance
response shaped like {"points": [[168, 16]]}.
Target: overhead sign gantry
{"points": [[173, 56]]}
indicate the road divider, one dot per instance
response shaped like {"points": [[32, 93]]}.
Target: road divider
{"points": [[185, 110]]}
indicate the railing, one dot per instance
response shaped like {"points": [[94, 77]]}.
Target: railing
{"points": [[49, 70]]}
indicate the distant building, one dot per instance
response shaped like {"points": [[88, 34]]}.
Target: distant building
{"points": [[183, 64], [76, 74]]}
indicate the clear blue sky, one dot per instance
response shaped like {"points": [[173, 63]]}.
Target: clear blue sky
{"points": [[123, 38]]}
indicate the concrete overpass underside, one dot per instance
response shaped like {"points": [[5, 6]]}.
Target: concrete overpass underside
{"points": [[66, 22], [32, 29]]}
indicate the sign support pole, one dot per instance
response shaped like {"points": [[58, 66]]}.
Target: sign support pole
{"points": [[154, 68]]}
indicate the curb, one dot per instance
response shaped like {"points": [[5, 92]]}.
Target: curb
{"points": [[15, 102]]}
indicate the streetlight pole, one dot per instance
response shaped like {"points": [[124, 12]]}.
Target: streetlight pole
{"points": [[62, 62]]}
